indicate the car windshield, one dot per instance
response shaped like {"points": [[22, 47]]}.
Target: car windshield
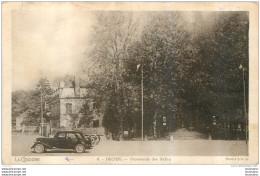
{"points": [[79, 135], [71, 136]]}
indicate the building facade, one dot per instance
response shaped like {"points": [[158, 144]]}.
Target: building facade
{"points": [[66, 106]]}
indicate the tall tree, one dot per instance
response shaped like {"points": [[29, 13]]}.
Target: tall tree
{"points": [[190, 69], [113, 33], [31, 101]]}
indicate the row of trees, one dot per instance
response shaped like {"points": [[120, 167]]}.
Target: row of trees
{"points": [[30, 102], [190, 68]]}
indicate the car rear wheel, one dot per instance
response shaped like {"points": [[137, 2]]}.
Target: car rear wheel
{"points": [[39, 148], [79, 148]]}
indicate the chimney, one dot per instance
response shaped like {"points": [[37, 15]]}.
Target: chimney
{"points": [[76, 86], [62, 84]]}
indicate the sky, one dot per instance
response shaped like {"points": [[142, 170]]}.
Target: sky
{"points": [[47, 44], [53, 43]]}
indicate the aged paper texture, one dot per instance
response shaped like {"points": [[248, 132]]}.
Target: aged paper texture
{"points": [[130, 83]]}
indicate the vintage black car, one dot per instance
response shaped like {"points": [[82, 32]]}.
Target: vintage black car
{"points": [[63, 140]]}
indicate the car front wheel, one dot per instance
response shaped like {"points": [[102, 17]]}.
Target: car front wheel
{"points": [[39, 148], [79, 148]]}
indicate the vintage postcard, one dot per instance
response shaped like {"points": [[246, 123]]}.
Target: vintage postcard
{"points": [[130, 83]]}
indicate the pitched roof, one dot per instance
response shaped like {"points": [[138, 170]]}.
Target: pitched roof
{"points": [[67, 92], [23, 115], [70, 92]]}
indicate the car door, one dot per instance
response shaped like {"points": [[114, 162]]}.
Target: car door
{"points": [[61, 140], [71, 140]]}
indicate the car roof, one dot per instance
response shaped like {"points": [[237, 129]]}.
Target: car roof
{"points": [[68, 131]]}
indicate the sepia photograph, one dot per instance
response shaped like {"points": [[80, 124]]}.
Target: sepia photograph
{"points": [[130, 85]]}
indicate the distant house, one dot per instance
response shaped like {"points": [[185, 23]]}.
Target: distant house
{"points": [[13, 123], [20, 119], [66, 105]]}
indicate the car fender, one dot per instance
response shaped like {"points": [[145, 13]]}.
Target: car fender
{"points": [[87, 141], [45, 145], [81, 142]]}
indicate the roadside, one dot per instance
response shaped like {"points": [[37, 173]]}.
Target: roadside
{"points": [[21, 146]]}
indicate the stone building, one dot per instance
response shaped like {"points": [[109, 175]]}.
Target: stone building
{"points": [[66, 106]]}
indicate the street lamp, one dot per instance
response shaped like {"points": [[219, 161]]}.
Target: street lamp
{"points": [[244, 87], [42, 121], [142, 94], [41, 113]]}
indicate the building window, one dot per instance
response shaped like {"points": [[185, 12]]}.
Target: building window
{"points": [[94, 105], [95, 123], [68, 108]]}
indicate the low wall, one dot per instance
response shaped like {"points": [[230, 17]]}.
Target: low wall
{"points": [[98, 131], [29, 129]]}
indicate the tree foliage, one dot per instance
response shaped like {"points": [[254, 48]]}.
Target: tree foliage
{"points": [[190, 69], [30, 101]]}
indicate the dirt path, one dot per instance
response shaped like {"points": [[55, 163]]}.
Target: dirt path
{"points": [[183, 133]]}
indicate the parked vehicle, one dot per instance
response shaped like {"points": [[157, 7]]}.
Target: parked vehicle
{"points": [[63, 140], [95, 139]]}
